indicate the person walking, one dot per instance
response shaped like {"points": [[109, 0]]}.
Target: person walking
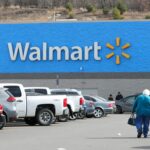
{"points": [[110, 98], [141, 108], [119, 96]]}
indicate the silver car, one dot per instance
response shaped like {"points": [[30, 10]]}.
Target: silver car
{"points": [[102, 107], [9, 103], [89, 108]]}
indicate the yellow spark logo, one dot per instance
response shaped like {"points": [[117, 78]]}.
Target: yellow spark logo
{"points": [[124, 47]]}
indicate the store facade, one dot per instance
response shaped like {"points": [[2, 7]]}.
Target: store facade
{"points": [[97, 57]]}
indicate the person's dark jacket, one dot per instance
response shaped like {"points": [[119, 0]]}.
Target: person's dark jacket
{"points": [[142, 106], [118, 97]]}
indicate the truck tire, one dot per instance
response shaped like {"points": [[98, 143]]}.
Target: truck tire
{"points": [[73, 116], [63, 118], [30, 121], [54, 120], [2, 124], [81, 114], [44, 117]]}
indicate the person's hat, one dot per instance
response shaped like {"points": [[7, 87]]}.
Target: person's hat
{"points": [[146, 92]]}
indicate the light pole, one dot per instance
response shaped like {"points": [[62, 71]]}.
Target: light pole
{"points": [[82, 80], [57, 81]]}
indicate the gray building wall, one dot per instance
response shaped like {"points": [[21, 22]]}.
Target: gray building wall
{"points": [[102, 87]]}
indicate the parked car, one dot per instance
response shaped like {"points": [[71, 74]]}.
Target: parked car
{"points": [[39, 109], [113, 102], [126, 104], [75, 99], [9, 105], [102, 108], [87, 111], [89, 108], [2, 118]]}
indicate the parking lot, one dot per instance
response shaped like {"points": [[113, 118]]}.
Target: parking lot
{"points": [[111, 132]]}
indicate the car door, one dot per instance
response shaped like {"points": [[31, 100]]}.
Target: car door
{"points": [[128, 103]]}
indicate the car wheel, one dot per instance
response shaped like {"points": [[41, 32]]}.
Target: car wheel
{"points": [[119, 109], [30, 121], [98, 113], [73, 116], [45, 117]]}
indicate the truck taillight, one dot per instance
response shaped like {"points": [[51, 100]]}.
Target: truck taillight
{"points": [[81, 101], [110, 105], [11, 99], [1, 109], [65, 102]]}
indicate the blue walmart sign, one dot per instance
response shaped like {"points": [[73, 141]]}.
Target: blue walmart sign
{"points": [[75, 47]]}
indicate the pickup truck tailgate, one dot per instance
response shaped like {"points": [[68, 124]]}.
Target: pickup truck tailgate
{"points": [[50, 100]]}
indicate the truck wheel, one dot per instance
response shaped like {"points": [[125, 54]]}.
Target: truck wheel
{"points": [[54, 120], [30, 121], [81, 114], [1, 126], [3, 123], [44, 117], [63, 118], [73, 116]]}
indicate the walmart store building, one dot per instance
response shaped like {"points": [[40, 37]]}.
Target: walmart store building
{"points": [[97, 57]]}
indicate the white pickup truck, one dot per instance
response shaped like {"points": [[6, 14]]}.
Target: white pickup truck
{"points": [[74, 97], [39, 109]]}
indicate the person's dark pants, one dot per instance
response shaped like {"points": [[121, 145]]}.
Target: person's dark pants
{"points": [[142, 124]]}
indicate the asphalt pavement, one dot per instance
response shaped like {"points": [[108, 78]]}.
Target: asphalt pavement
{"points": [[107, 133]]}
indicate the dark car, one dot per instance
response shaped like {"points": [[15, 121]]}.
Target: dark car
{"points": [[125, 104]]}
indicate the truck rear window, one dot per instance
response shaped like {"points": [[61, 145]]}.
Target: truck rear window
{"points": [[58, 93], [73, 94], [69, 93], [14, 90], [42, 91]]}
